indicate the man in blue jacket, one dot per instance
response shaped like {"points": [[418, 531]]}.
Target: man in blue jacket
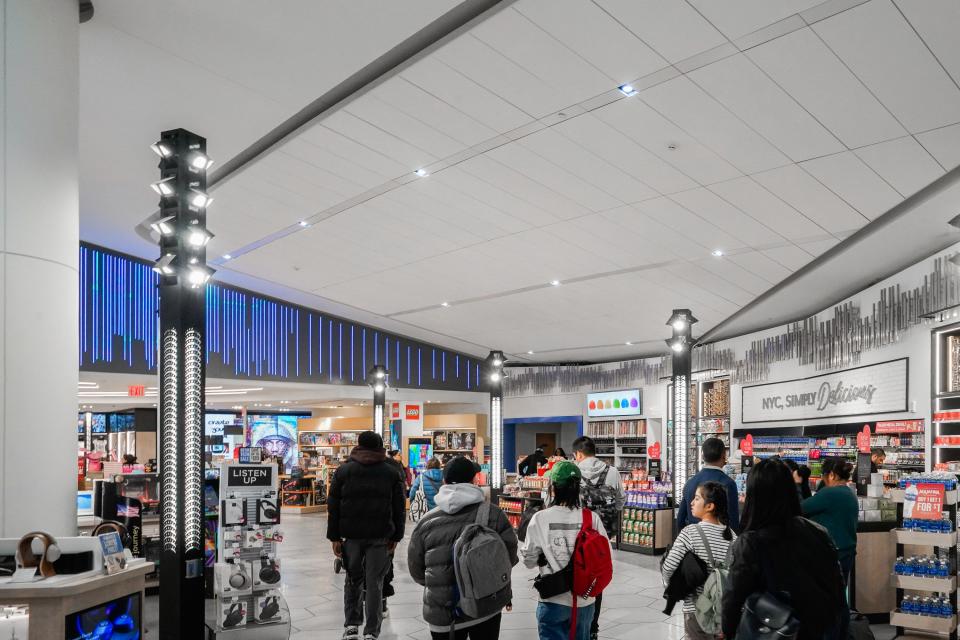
{"points": [[714, 457]]}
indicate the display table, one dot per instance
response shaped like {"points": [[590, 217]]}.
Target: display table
{"points": [[52, 600]]}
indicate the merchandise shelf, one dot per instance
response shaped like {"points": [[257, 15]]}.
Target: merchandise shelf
{"points": [[910, 536], [915, 583], [923, 623]]}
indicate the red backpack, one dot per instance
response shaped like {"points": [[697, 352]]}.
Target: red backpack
{"points": [[592, 565]]}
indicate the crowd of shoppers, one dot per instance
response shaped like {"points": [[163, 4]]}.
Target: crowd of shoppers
{"points": [[744, 556]]}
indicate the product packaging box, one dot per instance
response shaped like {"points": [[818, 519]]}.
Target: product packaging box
{"points": [[233, 614], [267, 575], [871, 515], [869, 503], [268, 607], [232, 579], [873, 491]]}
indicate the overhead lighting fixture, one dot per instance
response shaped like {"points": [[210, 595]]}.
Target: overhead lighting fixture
{"points": [[162, 149], [227, 256], [200, 161], [717, 253], [423, 173], [198, 237], [681, 319], [304, 223], [164, 187], [678, 344], [628, 343], [164, 226], [529, 353], [199, 199], [444, 304], [199, 275], [164, 266], [496, 376], [378, 387], [555, 283], [627, 90]]}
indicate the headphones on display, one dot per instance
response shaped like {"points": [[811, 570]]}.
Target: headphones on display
{"points": [[235, 615], [270, 608], [269, 572], [239, 579], [269, 510], [109, 525], [49, 555]]}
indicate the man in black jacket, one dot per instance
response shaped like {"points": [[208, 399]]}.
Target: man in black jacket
{"points": [[365, 518]]}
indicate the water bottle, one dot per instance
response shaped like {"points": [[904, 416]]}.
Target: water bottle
{"points": [[946, 608], [898, 566], [906, 605]]}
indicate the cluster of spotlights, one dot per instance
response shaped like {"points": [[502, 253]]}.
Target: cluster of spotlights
{"points": [[681, 321], [193, 236], [495, 362], [377, 378]]}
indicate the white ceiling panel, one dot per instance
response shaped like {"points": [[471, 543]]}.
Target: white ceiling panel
{"points": [[790, 256], [806, 69], [894, 63], [705, 276], [736, 274], [573, 158], [599, 138], [737, 19], [804, 193], [903, 163], [602, 236], [686, 223], [349, 150], [526, 211], [371, 136], [749, 93], [761, 266], [816, 247], [938, 23], [708, 121], [416, 133], [943, 144], [595, 36], [724, 215], [633, 222], [757, 202], [674, 29], [323, 163], [648, 128], [847, 176]]}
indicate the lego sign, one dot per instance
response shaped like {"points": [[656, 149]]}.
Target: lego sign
{"points": [[412, 413]]}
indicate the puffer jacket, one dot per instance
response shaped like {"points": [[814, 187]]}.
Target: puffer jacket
{"points": [[367, 499], [798, 558], [431, 479], [430, 554]]}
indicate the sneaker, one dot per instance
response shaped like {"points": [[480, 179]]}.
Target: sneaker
{"points": [[351, 633], [386, 612], [369, 636]]}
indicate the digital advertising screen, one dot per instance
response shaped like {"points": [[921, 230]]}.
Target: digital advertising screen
{"points": [[116, 620], [213, 426], [277, 435], [98, 423], [121, 422], [418, 454]]}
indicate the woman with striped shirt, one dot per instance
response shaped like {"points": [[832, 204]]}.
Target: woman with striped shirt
{"points": [[710, 506]]}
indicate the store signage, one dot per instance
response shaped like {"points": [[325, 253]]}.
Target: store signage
{"points": [[863, 440], [654, 451], [899, 426], [927, 502], [412, 412], [257, 475], [746, 445], [251, 455], [867, 390], [136, 390], [395, 411], [614, 403]]}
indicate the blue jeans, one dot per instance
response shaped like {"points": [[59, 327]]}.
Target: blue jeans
{"points": [[553, 621]]}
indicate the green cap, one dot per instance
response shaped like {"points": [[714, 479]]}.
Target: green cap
{"points": [[564, 473]]}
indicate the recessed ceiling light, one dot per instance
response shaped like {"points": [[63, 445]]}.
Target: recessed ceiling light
{"points": [[555, 283], [422, 172], [529, 353], [717, 253], [444, 304], [627, 90], [628, 343], [672, 146], [227, 256]]}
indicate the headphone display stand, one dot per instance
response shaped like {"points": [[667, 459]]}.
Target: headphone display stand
{"points": [[247, 580]]}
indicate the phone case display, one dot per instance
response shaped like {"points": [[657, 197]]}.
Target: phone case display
{"points": [[454, 441], [248, 579], [926, 583]]}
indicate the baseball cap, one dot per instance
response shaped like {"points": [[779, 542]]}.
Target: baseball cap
{"points": [[564, 473]]}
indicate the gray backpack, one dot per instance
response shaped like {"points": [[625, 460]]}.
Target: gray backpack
{"points": [[482, 567], [709, 603]]}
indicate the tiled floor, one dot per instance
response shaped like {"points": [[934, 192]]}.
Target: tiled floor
{"points": [[632, 605], [631, 608]]}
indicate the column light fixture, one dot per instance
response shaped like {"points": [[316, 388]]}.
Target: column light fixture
{"points": [[379, 379], [681, 323], [494, 370]]}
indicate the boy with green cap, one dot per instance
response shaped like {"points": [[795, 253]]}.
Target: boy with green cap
{"points": [[551, 538]]}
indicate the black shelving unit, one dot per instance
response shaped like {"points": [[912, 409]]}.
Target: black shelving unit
{"points": [[945, 392], [661, 530]]}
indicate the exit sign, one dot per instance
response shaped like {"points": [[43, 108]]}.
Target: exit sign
{"points": [[136, 391]]}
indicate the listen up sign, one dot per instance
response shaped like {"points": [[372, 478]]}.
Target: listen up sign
{"points": [[868, 390]]}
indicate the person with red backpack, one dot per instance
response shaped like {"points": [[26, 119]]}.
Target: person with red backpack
{"points": [[570, 546]]}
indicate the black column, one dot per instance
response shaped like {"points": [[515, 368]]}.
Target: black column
{"points": [[377, 379], [493, 368], [181, 227], [681, 322]]}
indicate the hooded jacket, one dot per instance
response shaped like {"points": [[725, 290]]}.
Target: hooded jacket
{"points": [[431, 479], [366, 499], [430, 554], [592, 467]]}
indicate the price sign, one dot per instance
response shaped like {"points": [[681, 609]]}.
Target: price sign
{"points": [[929, 502], [863, 440], [654, 451], [746, 445]]}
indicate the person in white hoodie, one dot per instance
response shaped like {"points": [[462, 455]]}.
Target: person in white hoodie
{"points": [[430, 554], [550, 539], [602, 492]]}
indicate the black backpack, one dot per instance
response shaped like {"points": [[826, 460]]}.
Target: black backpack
{"points": [[601, 498]]}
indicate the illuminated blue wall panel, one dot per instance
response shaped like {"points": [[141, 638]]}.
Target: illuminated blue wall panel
{"points": [[248, 336]]}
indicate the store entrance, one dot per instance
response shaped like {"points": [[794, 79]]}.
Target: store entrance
{"points": [[549, 443]]}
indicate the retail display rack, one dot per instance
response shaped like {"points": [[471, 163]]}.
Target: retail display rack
{"points": [[926, 591], [709, 417], [528, 494], [455, 441], [646, 522], [945, 398], [621, 442]]}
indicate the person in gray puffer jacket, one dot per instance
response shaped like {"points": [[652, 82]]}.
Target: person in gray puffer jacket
{"points": [[430, 553]]}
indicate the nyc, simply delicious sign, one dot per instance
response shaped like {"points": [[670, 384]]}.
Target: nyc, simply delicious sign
{"points": [[876, 388]]}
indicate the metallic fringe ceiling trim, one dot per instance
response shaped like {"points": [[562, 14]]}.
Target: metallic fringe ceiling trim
{"points": [[832, 343]]}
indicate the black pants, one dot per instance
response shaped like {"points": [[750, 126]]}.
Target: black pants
{"points": [[486, 630], [366, 562], [595, 625]]}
